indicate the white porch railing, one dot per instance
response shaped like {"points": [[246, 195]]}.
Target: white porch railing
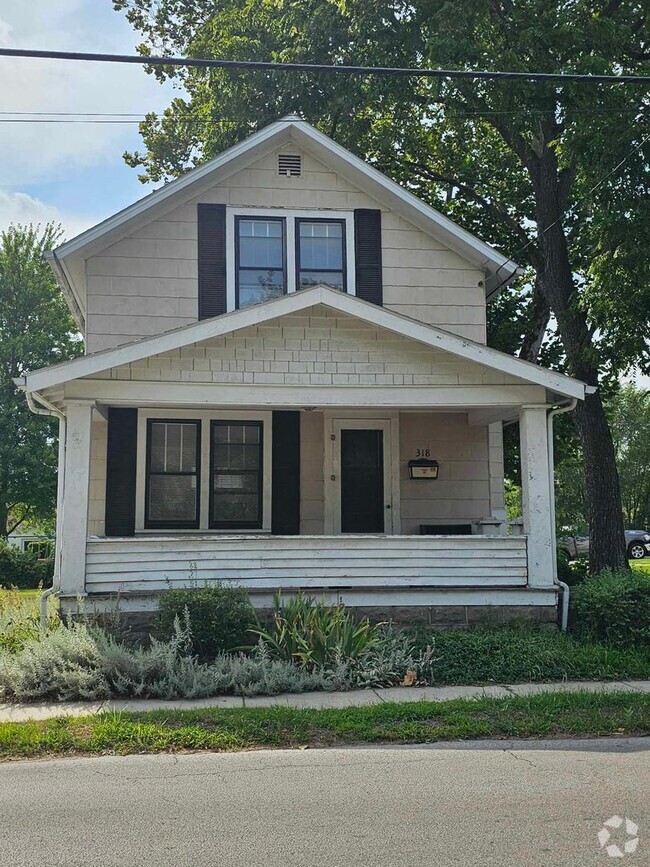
{"points": [[143, 564]]}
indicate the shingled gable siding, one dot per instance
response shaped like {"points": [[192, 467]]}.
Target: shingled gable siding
{"points": [[146, 283], [320, 349]]}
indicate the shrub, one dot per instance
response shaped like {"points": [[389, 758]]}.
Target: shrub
{"points": [[516, 654], [614, 607], [24, 570], [20, 619], [221, 617], [315, 634]]}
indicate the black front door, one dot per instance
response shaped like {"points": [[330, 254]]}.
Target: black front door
{"points": [[362, 481]]}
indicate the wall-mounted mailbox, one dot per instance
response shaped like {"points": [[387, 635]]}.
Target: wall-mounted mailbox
{"points": [[423, 468]]}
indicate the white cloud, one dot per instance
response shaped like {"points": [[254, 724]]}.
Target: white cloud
{"points": [[31, 153], [21, 208]]}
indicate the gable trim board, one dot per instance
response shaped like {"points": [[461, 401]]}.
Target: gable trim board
{"points": [[297, 301], [67, 260]]}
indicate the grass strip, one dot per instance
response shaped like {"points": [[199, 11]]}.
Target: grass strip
{"points": [[547, 715]]}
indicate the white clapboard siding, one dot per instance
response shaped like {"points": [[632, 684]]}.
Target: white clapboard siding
{"points": [[267, 562]]}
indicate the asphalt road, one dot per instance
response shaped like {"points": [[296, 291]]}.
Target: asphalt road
{"points": [[473, 804]]}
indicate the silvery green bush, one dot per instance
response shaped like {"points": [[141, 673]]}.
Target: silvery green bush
{"points": [[83, 662]]}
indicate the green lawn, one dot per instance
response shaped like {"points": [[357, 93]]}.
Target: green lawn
{"points": [[547, 715], [641, 565]]}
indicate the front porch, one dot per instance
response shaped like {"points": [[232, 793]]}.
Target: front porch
{"points": [[275, 447]]}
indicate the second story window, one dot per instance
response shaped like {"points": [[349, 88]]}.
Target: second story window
{"points": [[260, 259], [320, 254]]}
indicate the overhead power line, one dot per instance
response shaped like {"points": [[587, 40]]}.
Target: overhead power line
{"points": [[201, 63]]}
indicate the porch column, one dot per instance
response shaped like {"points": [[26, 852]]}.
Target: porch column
{"points": [[76, 488], [536, 496], [495, 459]]}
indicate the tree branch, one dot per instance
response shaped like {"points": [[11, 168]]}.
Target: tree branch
{"points": [[472, 194]]}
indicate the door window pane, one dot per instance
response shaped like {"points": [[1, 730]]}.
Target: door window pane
{"points": [[260, 260], [321, 253], [172, 474], [236, 458]]}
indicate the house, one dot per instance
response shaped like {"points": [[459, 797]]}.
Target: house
{"points": [[287, 385]]}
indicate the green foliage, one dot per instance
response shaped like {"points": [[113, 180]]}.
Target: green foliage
{"points": [[520, 654], [315, 634], [221, 617], [20, 620], [35, 330], [629, 416], [23, 570], [614, 607], [552, 714]]}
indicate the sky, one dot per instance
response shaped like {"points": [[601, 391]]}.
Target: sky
{"points": [[68, 172]]}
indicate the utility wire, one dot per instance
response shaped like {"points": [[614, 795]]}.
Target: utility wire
{"points": [[579, 201], [201, 63]]}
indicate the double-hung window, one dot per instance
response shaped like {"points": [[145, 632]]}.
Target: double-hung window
{"points": [[277, 254], [320, 253], [236, 475], [172, 480], [261, 261]]}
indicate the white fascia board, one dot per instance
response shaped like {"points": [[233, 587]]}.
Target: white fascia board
{"points": [[295, 302]]}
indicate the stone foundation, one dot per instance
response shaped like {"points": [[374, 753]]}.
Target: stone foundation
{"points": [[138, 624]]}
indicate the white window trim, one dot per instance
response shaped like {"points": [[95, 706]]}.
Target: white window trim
{"points": [[387, 422], [290, 215], [205, 417]]}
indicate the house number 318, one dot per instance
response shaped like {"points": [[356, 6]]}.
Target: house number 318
{"points": [[423, 453]]}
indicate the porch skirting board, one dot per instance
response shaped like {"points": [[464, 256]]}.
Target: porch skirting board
{"points": [[436, 580], [335, 565]]}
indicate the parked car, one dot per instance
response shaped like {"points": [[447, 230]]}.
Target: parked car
{"points": [[637, 541]]}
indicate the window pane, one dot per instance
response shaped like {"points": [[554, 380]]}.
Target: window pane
{"points": [[321, 245], [172, 498], [173, 447], [236, 481], [236, 508], [327, 278], [257, 286], [236, 457], [260, 244]]}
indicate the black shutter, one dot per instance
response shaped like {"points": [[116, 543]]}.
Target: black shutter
{"points": [[212, 260], [367, 252], [120, 471], [285, 507]]}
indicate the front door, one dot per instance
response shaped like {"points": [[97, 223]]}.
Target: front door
{"points": [[362, 481]]}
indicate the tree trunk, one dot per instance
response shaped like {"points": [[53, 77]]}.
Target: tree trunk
{"points": [[4, 520], [556, 283]]}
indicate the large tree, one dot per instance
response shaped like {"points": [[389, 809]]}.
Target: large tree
{"points": [[35, 330], [551, 173]]}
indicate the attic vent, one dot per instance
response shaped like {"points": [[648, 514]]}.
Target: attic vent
{"points": [[289, 165]]}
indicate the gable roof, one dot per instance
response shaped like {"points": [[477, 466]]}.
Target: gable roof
{"points": [[67, 260], [428, 335]]}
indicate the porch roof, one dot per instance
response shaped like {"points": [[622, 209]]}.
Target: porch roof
{"points": [[558, 385]]}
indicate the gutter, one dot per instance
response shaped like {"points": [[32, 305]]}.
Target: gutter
{"points": [[560, 410], [47, 408]]}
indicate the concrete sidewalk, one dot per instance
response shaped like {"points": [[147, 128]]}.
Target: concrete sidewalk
{"points": [[315, 700]]}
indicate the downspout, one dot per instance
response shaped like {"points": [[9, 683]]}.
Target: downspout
{"points": [[47, 408], [560, 410]]}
